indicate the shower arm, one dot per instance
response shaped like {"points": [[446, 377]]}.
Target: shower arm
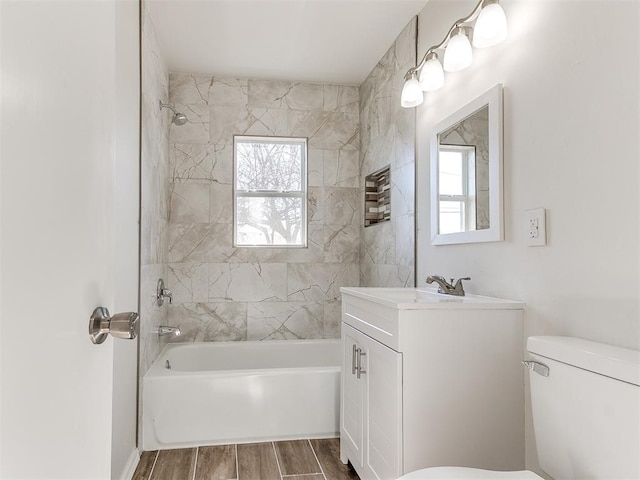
{"points": [[166, 105]]}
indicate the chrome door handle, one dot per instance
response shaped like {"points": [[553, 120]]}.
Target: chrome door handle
{"points": [[121, 325]]}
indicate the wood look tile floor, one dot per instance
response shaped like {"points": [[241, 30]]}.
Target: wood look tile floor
{"points": [[292, 460]]}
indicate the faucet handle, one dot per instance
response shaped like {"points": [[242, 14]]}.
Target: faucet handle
{"points": [[166, 293], [454, 281], [162, 293]]}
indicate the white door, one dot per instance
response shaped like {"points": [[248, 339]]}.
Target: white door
{"points": [[57, 236]]}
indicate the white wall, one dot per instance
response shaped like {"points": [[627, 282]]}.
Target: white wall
{"points": [[124, 454], [571, 83]]}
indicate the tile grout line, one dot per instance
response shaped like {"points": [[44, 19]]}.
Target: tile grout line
{"points": [[237, 463], [277, 461], [195, 464], [154, 464], [317, 460]]}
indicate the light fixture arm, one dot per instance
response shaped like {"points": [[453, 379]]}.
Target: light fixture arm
{"points": [[459, 23]]}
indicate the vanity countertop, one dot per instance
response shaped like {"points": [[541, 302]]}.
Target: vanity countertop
{"points": [[425, 298]]}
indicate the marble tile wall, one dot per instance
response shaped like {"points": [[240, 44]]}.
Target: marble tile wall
{"points": [[387, 137], [155, 191], [224, 293]]}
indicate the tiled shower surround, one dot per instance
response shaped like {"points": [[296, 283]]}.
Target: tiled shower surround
{"points": [[387, 138], [155, 191], [221, 292], [224, 293]]}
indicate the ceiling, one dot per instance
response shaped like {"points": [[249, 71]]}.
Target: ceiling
{"points": [[326, 41]]}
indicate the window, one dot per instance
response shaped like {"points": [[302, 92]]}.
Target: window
{"points": [[270, 191], [457, 188]]}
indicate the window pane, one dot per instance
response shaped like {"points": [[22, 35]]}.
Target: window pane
{"points": [[451, 217], [450, 168], [269, 221], [269, 166]]}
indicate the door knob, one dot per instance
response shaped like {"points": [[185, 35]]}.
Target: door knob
{"points": [[121, 325]]}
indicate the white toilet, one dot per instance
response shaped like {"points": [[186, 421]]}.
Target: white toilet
{"points": [[585, 398]]}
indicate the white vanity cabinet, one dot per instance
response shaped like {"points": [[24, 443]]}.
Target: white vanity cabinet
{"points": [[430, 380], [372, 404]]}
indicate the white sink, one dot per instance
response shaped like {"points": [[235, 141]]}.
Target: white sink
{"points": [[420, 298]]}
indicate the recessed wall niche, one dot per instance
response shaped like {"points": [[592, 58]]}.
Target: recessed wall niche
{"points": [[377, 197]]}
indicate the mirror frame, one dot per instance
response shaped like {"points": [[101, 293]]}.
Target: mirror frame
{"points": [[495, 232]]}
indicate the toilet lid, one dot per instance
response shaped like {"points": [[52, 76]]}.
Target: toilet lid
{"points": [[463, 473]]}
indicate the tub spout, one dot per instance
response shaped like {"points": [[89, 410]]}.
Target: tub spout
{"points": [[166, 330]]}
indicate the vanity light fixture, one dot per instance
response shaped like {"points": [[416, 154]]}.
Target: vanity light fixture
{"points": [[490, 29], [491, 26], [458, 55], [431, 74], [411, 92]]}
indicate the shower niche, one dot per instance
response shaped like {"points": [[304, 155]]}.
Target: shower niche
{"points": [[377, 197]]}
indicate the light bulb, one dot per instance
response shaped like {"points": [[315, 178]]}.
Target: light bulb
{"points": [[458, 54], [491, 26], [431, 75], [411, 93]]}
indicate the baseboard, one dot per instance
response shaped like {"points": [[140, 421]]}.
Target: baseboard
{"points": [[132, 463]]}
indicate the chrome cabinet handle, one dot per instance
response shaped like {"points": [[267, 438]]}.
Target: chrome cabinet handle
{"points": [[354, 354], [121, 325], [359, 368]]}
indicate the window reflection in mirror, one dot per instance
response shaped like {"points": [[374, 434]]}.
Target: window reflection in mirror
{"points": [[457, 187], [463, 175]]}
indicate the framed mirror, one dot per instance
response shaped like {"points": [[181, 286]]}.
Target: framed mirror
{"points": [[466, 173]]}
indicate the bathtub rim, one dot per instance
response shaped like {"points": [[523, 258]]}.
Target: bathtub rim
{"points": [[158, 370]]}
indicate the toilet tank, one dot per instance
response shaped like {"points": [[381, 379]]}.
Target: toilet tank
{"points": [[586, 413]]}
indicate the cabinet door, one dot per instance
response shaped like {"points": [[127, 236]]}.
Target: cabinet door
{"points": [[352, 411], [383, 410]]}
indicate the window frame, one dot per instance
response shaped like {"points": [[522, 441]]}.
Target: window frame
{"points": [[302, 193]]}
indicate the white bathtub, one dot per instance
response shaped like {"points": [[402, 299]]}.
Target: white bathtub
{"points": [[241, 392]]}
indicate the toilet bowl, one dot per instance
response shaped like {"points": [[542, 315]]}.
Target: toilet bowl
{"points": [[463, 473]]}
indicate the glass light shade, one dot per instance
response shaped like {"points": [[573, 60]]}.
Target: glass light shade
{"points": [[491, 27], [431, 75], [458, 54], [411, 93]]}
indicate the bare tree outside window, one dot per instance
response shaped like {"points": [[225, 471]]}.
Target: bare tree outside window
{"points": [[270, 191]]}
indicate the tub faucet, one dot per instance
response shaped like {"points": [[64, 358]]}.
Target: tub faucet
{"points": [[166, 330], [453, 288]]}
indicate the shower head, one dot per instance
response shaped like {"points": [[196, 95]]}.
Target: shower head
{"points": [[178, 118]]}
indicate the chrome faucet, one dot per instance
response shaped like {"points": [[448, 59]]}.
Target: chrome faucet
{"points": [[453, 288], [166, 330]]}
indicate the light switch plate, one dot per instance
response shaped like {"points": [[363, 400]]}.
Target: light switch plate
{"points": [[536, 227]]}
